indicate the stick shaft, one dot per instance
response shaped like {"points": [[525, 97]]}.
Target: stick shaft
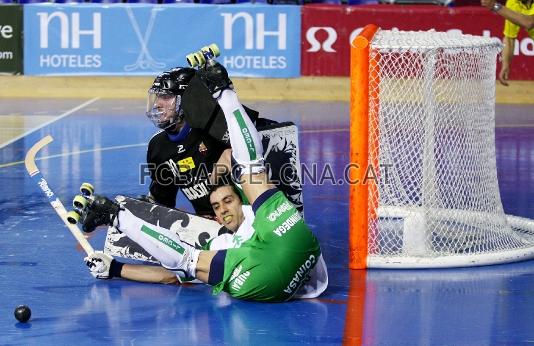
{"points": [[54, 201]]}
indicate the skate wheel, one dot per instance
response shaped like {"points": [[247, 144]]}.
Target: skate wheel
{"points": [[79, 202], [87, 189], [199, 57], [206, 53], [191, 60], [73, 217], [214, 49]]}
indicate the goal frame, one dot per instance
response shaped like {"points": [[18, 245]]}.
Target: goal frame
{"points": [[364, 79], [359, 147]]}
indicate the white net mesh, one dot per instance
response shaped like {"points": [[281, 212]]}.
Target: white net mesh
{"points": [[436, 201]]}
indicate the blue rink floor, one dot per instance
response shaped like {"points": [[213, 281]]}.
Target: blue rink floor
{"points": [[104, 142]]}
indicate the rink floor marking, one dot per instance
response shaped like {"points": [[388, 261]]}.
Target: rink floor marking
{"points": [[59, 117], [71, 153]]}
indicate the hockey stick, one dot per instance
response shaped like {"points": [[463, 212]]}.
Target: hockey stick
{"points": [[36, 175]]}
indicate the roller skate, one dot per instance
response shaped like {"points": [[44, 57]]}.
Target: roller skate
{"points": [[202, 56], [92, 210], [211, 72]]}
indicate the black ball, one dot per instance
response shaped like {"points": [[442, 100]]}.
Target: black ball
{"points": [[22, 313]]}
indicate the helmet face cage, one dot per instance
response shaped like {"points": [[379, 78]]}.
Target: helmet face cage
{"points": [[164, 97], [163, 108]]}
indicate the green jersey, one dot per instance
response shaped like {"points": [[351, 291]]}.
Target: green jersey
{"points": [[277, 259]]}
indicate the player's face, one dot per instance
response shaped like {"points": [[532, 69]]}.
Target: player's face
{"points": [[162, 110], [227, 207], [166, 104]]}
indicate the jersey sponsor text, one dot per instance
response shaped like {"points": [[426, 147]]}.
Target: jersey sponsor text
{"points": [[239, 281], [279, 211], [286, 225], [236, 272], [301, 274], [196, 191]]}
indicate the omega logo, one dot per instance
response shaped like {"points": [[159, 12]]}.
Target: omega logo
{"points": [[331, 38], [326, 45]]}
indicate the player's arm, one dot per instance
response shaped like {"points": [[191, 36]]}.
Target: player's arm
{"points": [[525, 21], [162, 188], [148, 273], [511, 29], [222, 167], [103, 266], [253, 184], [507, 55], [164, 194]]}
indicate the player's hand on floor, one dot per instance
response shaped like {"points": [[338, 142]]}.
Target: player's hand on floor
{"points": [[99, 264]]}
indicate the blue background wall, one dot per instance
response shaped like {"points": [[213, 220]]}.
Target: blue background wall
{"points": [[143, 39]]}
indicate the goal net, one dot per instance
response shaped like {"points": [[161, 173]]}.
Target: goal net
{"points": [[423, 148]]}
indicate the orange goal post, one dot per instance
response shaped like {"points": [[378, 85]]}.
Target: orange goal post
{"points": [[423, 180]]}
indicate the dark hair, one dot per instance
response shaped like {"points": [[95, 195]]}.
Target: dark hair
{"points": [[222, 181]]}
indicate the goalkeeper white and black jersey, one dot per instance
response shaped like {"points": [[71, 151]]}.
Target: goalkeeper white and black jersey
{"points": [[183, 165], [184, 161]]}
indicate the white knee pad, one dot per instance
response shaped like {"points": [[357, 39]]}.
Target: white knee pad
{"points": [[246, 168]]}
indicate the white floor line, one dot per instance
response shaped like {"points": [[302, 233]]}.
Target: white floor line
{"points": [[9, 164], [69, 112], [324, 130], [93, 150]]}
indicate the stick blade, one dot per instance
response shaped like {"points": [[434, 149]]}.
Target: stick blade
{"points": [[29, 161]]}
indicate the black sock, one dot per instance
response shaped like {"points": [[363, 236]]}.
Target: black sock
{"points": [[217, 268]]}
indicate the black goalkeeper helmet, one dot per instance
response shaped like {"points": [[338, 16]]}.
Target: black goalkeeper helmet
{"points": [[165, 97]]}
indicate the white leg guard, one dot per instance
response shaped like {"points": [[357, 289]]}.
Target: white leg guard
{"points": [[247, 150], [173, 253]]}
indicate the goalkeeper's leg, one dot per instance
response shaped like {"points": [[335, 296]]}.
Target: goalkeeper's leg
{"points": [[247, 150]]}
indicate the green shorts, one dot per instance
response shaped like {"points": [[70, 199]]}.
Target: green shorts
{"points": [[273, 264]]}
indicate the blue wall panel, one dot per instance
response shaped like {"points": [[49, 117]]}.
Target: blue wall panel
{"points": [[143, 39]]}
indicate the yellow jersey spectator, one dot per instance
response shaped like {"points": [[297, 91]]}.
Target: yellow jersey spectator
{"points": [[517, 14]]}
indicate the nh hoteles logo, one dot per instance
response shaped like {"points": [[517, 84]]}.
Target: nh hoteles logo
{"points": [[254, 29], [70, 30], [74, 40], [256, 36], [255, 32]]}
